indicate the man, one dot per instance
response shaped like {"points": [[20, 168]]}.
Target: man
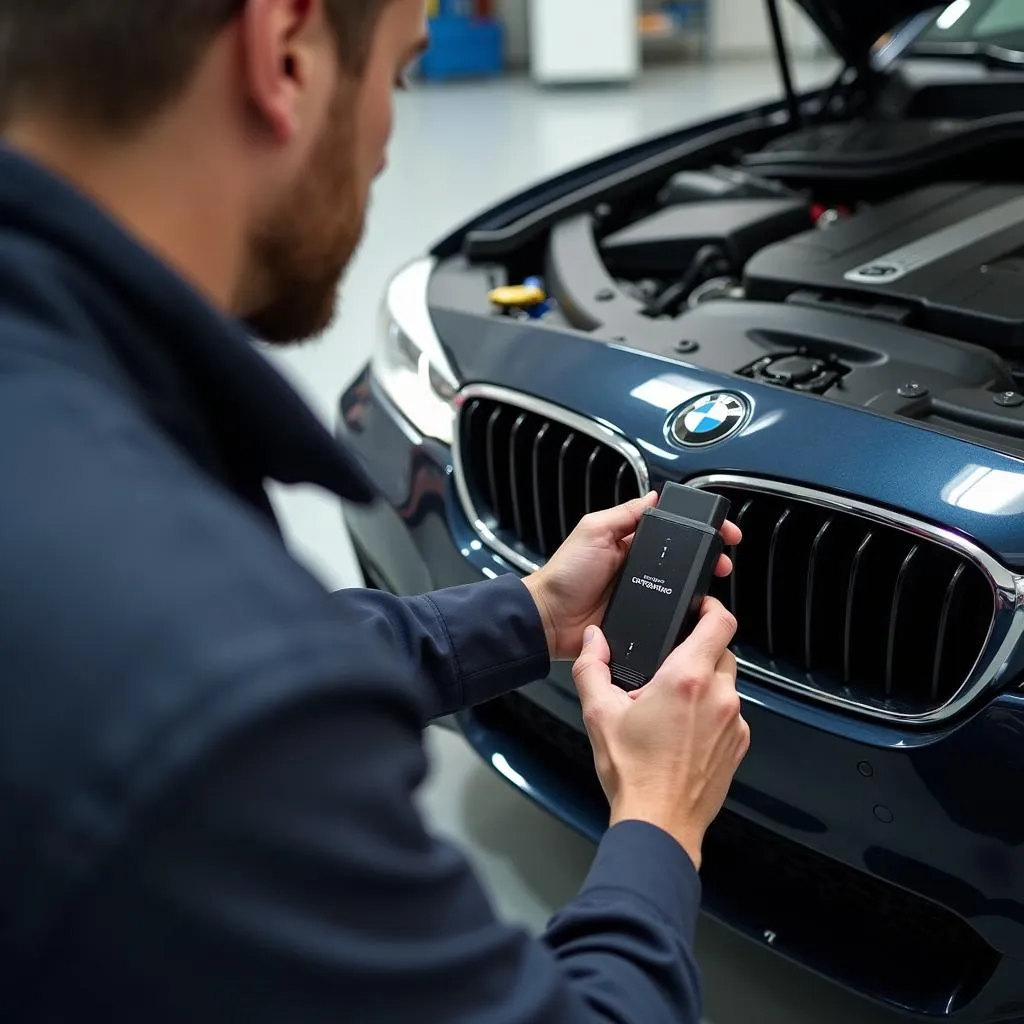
{"points": [[207, 763]]}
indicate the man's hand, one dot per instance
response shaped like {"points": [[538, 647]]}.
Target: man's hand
{"points": [[667, 753], [573, 588]]}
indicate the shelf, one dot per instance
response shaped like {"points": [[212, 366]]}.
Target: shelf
{"points": [[672, 21]]}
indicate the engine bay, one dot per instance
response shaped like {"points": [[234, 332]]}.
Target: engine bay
{"points": [[947, 259], [799, 263]]}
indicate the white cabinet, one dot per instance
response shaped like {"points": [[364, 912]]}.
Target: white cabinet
{"points": [[581, 41]]}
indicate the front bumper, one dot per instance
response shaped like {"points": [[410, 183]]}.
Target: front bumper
{"points": [[889, 862]]}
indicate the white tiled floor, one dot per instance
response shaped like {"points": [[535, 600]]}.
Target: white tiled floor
{"points": [[458, 149]]}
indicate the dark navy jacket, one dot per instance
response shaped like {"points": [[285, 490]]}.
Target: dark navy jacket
{"points": [[208, 762]]}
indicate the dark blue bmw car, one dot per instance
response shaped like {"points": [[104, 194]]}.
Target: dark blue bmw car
{"points": [[815, 308]]}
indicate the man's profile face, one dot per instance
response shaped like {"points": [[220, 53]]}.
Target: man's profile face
{"points": [[302, 248]]}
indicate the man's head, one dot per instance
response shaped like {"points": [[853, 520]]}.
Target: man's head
{"points": [[275, 115]]}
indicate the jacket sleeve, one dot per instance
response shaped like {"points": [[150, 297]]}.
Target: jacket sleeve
{"points": [[292, 879], [471, 643]]}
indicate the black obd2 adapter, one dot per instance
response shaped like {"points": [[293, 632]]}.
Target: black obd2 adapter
{"points": [[657, 597]]}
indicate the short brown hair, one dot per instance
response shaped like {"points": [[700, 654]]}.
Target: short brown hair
{"points": [[113, 64]]}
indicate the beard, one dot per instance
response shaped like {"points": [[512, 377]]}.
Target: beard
{"points": [[300, 252]]}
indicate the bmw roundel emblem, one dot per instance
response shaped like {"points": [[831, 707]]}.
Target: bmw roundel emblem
{"points": [[710, 419]]}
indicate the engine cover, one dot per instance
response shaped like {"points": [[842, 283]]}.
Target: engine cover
{"points": [[667, 241], [951, 255]]}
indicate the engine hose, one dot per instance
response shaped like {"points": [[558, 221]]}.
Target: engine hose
{"points": [[709, 261]]}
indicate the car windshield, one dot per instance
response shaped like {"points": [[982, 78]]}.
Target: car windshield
{"points": [[976, 26]]}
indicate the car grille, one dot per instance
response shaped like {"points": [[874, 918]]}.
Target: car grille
{"points": [[853, 609], [529, 472], [863, 932]]}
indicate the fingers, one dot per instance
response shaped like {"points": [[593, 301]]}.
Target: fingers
{"points": [[731, 534], [622, 520], [714, 632], [704, 648], [740, 733], [727, 664], [590, 672], [742, 741]]}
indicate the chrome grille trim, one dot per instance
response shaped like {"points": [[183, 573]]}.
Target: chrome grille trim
{"points": [[1005, 633], [595, 430]]}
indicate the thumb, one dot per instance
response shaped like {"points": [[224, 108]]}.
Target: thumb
{"points": [[590, 672], [621, 520]]}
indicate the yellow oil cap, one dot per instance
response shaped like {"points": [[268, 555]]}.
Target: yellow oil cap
{"points": [[520, 295]]}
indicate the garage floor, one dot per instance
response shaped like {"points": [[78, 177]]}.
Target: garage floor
{"points": [[457, 149]]}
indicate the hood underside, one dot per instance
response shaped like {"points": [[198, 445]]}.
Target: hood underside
{"points": [[853, 27]]}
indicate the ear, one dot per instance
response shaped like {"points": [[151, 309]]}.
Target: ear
{"points": [[278, 38]]}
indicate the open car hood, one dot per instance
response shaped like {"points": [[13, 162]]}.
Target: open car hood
{"points": [[853, 27]]}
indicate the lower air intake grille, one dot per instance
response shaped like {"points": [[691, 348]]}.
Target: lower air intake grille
{"points": [[909, 950], [853, 609], [529, 472]]}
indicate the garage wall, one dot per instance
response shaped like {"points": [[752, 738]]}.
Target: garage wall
{"points": [[514, 15], [738, 28]]}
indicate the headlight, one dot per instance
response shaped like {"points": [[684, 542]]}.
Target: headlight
{"points": [[408, 361]]}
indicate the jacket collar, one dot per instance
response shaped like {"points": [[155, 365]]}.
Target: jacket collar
{"points": [[258, 424]]}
